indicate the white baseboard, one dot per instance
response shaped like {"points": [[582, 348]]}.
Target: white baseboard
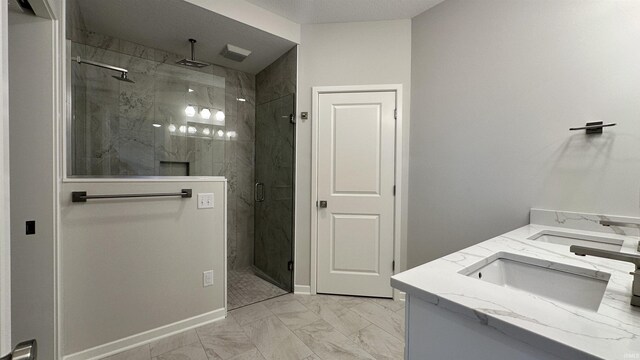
{"points": [[302, 289], [133, 341]]}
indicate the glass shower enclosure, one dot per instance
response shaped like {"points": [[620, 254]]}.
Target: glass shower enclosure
{"points": [[274, 191]]}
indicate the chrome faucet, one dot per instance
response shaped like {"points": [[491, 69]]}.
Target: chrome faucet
{"points": [[614, 255], [621, 224]]}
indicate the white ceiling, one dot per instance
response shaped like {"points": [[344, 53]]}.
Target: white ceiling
{"points": [[168, 24], [332, 11]]}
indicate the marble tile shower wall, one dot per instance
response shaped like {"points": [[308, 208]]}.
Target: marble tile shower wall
{"points": [[112, 133]]}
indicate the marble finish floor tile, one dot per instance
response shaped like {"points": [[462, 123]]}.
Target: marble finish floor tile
{"points": [[245, 288], [224, 339], [275, 341], [379, 343], [291, 312], [389, 303], [343, 319], [328, 343], [137, 353], [247, 314], [384, 318], [173, 342], [298, 327], [250, 355], [190, 352]]}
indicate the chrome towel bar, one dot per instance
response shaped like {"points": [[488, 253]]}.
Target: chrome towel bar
{"points": [[81, 196]]}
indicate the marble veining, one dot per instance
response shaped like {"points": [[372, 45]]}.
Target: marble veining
{"points": [[281, 328], [113, 132], [611, 332]]}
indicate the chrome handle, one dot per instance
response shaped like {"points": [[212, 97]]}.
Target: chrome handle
{"points": [[26, 350], [259, 192]]}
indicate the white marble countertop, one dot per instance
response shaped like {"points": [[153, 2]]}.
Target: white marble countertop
{"points": [[613, 332]]}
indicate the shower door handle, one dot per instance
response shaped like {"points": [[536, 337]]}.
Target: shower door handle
{"points": [[259, 192]]}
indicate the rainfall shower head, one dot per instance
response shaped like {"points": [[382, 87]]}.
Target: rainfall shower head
{"points": [[123, 72], [192, 62]]}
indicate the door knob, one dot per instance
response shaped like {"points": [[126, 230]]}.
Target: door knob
{"points": [[323, 203]]}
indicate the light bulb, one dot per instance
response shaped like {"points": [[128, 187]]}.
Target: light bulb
{"points": [[205, 113], [172, 128], [183, 129], [190, 111], [241, 99], [219, 115], [231, 134], [156, 125], [190, 90], [192, 130], [206, 131], [220, 133]]}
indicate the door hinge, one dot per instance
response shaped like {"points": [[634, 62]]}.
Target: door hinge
{"points": [[290, 265], [393, 265], [395, 114], [394, 190]]}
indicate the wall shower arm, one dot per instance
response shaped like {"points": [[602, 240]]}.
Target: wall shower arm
{"points": [[98, 64]]}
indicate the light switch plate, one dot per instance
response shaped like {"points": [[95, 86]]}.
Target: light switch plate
{"points": [[205, 201], [207, 278]]}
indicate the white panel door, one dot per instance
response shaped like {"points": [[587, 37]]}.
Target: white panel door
{"points": [[356, 151]]}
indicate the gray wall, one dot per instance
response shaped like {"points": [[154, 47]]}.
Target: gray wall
{"points": [[134, 265], [496, 86], [362, 53], [33, 163]]}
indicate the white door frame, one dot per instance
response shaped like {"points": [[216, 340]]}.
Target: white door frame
{"points": [[5, 233], [397, 223]]}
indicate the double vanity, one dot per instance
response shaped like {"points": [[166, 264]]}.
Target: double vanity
{"points": [[527, 295]]}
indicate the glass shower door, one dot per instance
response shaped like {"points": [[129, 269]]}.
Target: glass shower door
{"points": [[274, 171]]}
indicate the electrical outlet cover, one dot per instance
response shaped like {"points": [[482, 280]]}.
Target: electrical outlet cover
{"points": [[207, 278]]}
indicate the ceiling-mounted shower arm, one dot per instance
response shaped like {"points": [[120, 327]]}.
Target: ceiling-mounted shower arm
{"points": [[193, 49], [123, 72]]}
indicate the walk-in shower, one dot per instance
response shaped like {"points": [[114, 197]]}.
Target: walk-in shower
{"points": [[192, 117]]}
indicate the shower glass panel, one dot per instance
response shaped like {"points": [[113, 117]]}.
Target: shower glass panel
{"points": [[273, 250], [169, 121]]}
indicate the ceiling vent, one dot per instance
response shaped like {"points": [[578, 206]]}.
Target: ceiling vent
{"points": [[235, 53]]}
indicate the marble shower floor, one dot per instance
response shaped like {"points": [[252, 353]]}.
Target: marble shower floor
{"points": [[299, 327], [245, 288]]}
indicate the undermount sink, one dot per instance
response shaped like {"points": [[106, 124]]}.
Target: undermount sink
{"points": [[565, 238], [566, 284]]}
